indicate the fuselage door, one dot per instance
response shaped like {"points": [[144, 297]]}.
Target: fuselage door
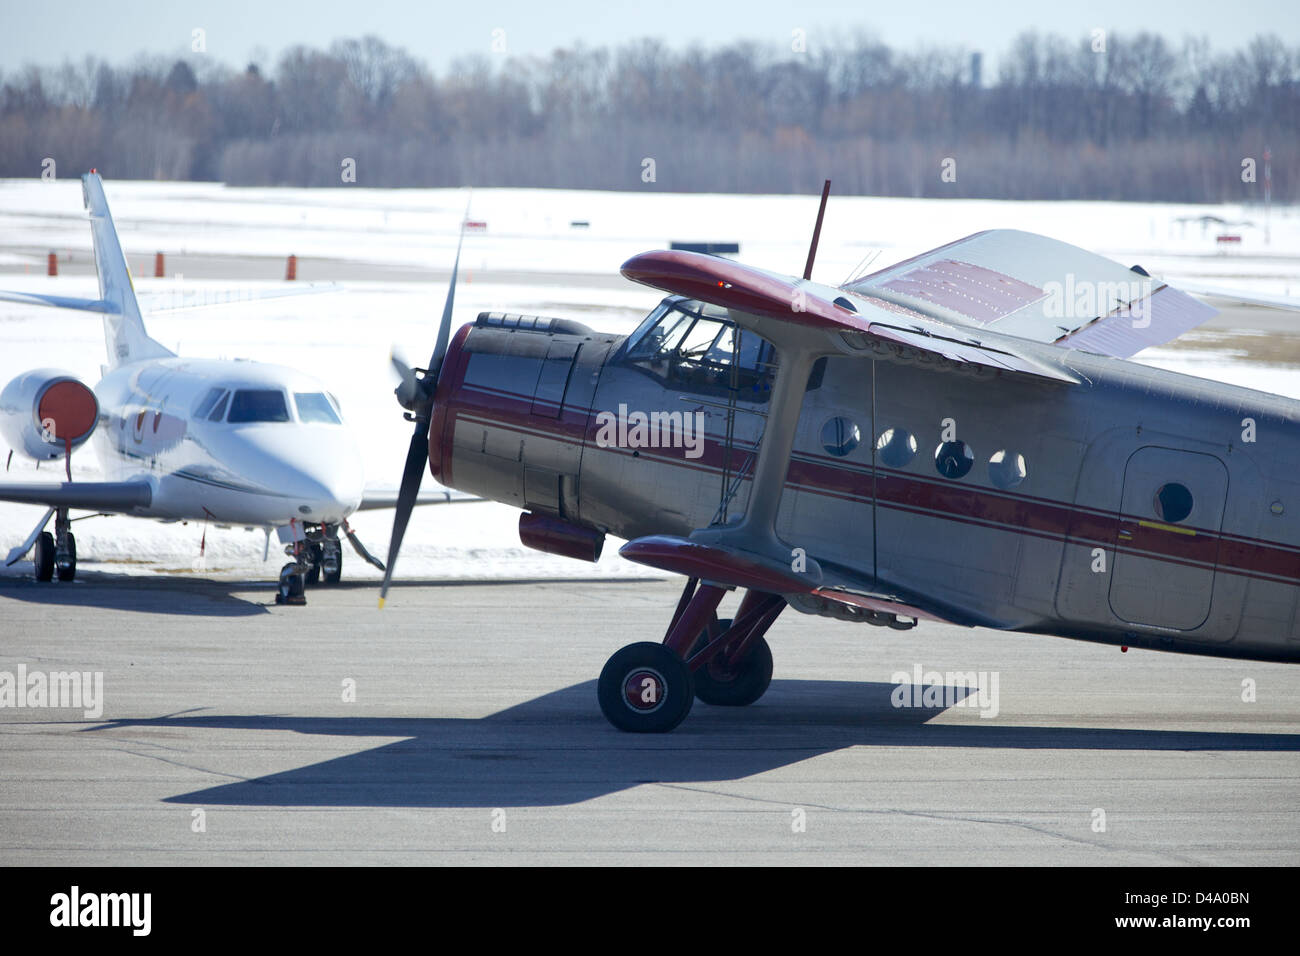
{"points": [[1167, 538]]}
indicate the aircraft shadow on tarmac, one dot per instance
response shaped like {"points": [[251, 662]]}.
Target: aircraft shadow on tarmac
{"points": [[557, 749], [179, 595], [190, 595]]}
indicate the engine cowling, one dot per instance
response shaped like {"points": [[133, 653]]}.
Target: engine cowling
{"points": [[44, 411]]}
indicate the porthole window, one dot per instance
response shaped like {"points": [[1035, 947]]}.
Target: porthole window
{"points": [[896, 447], [953, 459], [840, 436], [1173, 502], [1007, 469]]}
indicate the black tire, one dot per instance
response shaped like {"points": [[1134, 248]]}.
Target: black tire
{"points": [[715, 684], [652, 670], [333, 577], [69, 572], [312, 577], [292, 586], [43, 556]]}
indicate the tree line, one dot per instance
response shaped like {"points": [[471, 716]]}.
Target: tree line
{"points": [[1119, 117]]}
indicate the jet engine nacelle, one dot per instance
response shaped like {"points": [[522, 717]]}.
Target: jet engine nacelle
{"points": [[45, 411]]}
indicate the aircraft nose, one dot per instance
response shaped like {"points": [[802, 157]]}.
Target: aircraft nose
{"points": [[321, 491], [318, 477]]}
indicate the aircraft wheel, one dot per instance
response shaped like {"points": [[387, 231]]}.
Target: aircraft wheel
{"points": [[67, 568], [292, 585], [43, 556], [645, 688], [313, 572], [724, 686], [333, 577]]}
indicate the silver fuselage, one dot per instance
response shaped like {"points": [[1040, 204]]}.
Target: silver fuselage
{"points": [[1075, 549]]}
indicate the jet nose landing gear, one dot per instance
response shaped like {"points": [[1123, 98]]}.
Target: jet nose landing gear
{"points": [[293, 584]]}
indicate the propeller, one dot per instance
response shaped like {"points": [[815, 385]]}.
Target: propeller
{"points": [[408, 390], [415, 393]]}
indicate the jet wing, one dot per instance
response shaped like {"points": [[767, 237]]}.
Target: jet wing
{"points": [[116, 497], [113, 497], [733, 567], [376, 499], [847, 323]]}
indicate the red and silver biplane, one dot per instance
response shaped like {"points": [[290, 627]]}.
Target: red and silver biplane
{"points": [[957, 437]]}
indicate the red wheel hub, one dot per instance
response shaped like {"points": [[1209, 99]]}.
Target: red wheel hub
{"points": [[644, 690]]}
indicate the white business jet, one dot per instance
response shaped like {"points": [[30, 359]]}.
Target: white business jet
{"points": [[232, 442]]}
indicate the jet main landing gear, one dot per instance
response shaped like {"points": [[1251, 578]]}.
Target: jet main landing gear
{"points": [[56, 554]]}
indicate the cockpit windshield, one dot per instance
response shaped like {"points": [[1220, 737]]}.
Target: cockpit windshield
{"points": [[258, 405], [697, 347]]}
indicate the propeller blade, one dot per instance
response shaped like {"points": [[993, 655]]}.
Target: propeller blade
{"points": [[444, 327], [417, 458], [408, 390]]}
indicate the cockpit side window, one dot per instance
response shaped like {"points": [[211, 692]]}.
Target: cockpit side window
{"points": [[209, 400], [258, 405], [219, 412], [315, 407], [696, 347]]}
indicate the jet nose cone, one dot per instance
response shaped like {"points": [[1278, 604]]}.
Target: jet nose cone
{"points": [[327, 487], [317, 477]]}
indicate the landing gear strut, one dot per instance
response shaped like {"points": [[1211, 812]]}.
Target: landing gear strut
{"points": [[293, 576], [317, 559], [325, 561], [649, 688]]}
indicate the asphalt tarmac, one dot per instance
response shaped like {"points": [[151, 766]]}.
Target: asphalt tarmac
{"points": [[460, 726]]}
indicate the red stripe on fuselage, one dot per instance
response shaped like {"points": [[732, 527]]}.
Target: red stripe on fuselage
{"points": [[901, 491]]}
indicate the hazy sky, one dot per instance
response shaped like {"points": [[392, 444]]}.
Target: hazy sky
{"points": [[237, 31]]}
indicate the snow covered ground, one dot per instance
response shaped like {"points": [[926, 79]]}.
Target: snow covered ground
{"points": [[344, 337]]}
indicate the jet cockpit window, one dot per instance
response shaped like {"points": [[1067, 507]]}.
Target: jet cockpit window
{"points": [[219, 412], [258, 405], [209, 400], [315, 407], [696, 347]]}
